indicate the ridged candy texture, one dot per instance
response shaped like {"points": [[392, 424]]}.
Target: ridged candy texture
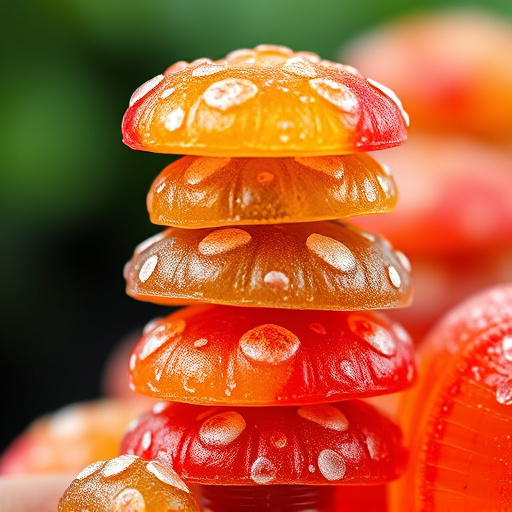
{"points": [[199, 192], [220, 355], [327, 444], [267, 101], [459, 420], [316, 265]]}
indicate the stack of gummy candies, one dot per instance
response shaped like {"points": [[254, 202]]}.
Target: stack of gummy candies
{"points": [[265, 413]]}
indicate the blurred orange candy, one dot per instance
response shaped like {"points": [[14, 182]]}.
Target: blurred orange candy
{"points": [[452, 70], [71, 438]]}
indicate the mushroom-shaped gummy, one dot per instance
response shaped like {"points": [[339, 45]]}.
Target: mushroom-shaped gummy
{"points": [[71, 438], [315, 265], [257, 356], [198, 192], [459, 419], [128, 484], [345, 443], [268, 101]]}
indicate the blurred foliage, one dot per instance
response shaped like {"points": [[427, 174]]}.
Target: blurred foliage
{"points": [[72, 197]]}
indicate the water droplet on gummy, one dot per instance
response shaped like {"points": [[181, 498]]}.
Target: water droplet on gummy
{"points": [[222, 429], [208, 69], [318, 328], [394, 277], [118, 465], [337, 94], [276, 280], [129, 500], [145, 88], [325, 415], [200, 343], [263, 471], [269, 344], [223, 240], [147, 439], [229, 93], [507, 347], [300, 66], [174, 119], [374, 334], [331, 465], [504, 392], [148, 268], [404, 260], [332, 252]]}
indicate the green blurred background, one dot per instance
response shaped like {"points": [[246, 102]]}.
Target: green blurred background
{"points": [[72, 197]]}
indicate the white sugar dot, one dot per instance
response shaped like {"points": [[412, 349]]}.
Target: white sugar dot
{"points": [[147, 268], [89, 470], [166, 475], [118, 465], [394, 277]]}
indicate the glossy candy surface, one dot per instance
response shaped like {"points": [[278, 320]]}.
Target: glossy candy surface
{"points": [[327, 444], [244, 356], [71, 438], [267, 101], [459, 418], [198, 192], [316, 265], [127, 484]]}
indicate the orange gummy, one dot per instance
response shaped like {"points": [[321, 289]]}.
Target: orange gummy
{"points": [[255, 357], [199, 192], [459, 417], [268, 101], [315, 265], [128, 484], [71, 438]]}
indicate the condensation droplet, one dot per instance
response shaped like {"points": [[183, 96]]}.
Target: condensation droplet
{"points": [[229, 93], [118, 465], [273, 48], [318, 328], [145, 88], [269, 344], [311, 468], [336, 93], [383, 183], [263, 471], [394, 277], [506, 345], [174, 119], [332, 251], [160, 407], [129, 500], [147, 439], [331, 465], [223, 240], [300, 66], [374, 334], [167, 92], [222, 429], [200, 342], [166, 475], [404, 260], [392, 95], [504, 392], [208, 69], [161, 335], [89, 470], [373, 447], [369, 190], [133, 361], [325, 415], [148, 268], [402, 334], [202, 168], [276, 280]]}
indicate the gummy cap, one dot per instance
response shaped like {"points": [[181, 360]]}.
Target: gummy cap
{"points": [[268, 101]]}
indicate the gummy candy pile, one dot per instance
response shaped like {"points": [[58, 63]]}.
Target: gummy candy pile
{"points": [[262, 400]]}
